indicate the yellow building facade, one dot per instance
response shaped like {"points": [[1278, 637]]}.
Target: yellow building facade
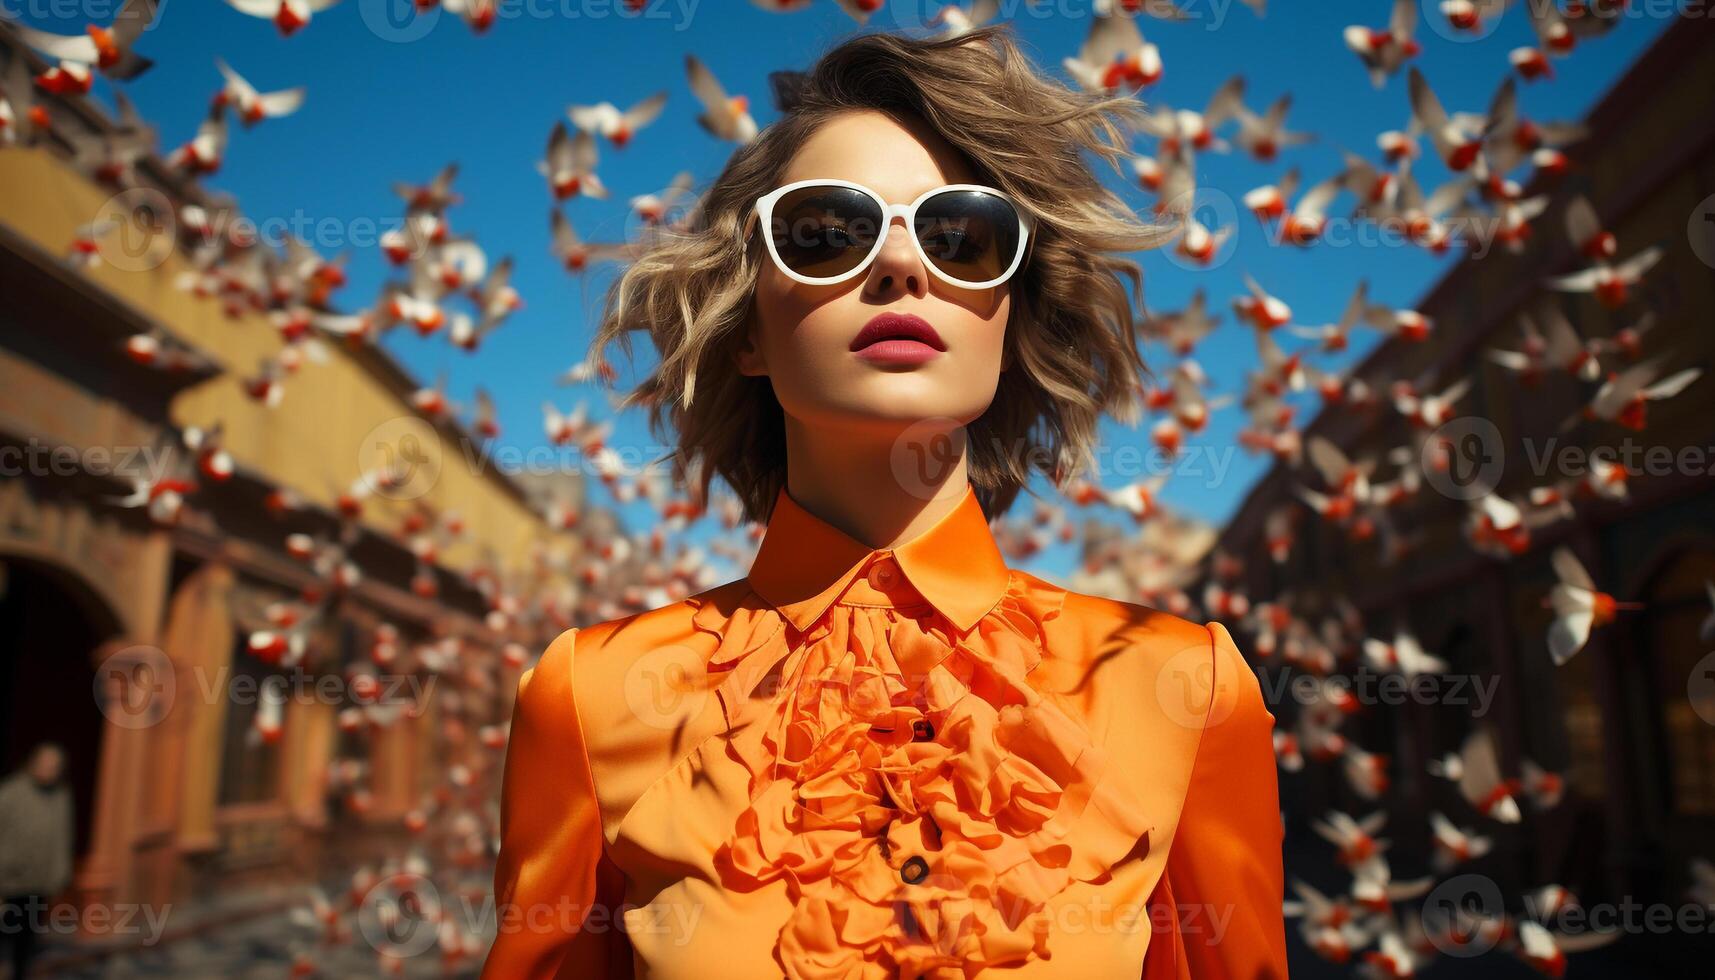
{"points": [[124, 638]]}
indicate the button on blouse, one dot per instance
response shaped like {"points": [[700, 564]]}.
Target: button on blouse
{"points": [[911, 762], [883, 572]]}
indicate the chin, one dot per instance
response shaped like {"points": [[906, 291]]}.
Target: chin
{"points": [[896, 408]]}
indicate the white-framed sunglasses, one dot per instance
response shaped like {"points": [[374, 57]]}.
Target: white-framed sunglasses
{"points": [[824, 231]]}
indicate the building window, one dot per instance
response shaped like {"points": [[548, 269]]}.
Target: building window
{"points": [[1582, 716], [348, 768], [1675, 605], [249, 765]]}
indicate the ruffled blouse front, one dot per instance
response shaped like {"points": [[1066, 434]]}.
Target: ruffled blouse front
{"points": [[920, 799], [904, 762]]}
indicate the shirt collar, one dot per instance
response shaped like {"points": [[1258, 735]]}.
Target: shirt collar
{"points": [[804, 563]]}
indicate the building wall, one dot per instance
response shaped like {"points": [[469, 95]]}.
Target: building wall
{"points": [[166, 816], [1617, 719], [334, 418]]}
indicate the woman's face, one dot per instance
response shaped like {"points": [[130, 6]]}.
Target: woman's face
{"points": [[801, 336]]}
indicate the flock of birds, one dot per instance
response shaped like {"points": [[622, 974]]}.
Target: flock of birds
{"points": [[1500, 166]]}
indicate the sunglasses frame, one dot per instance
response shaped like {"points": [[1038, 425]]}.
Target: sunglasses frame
{"points": [[764, 216]]}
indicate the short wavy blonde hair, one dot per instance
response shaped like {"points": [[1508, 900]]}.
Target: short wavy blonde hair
{"points": [[1072, 336]]}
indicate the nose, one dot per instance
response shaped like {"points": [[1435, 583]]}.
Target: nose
{"points": [[897, 271]]}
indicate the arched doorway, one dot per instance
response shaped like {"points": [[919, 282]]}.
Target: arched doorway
{"points": [[50, 625]]}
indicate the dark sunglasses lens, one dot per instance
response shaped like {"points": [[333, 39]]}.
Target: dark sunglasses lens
{"points": [[969, 235], [824, 231]]}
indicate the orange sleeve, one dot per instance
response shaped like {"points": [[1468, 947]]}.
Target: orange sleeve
{"points": [[556, 893], [1225, 865]]}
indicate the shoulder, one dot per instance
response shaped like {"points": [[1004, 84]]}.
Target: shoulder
{"points": [[1094, 630], [637, 679], [1194, 670], [1171, 696], [640, 646], [631, 693], [611, 649], [574, 686]]}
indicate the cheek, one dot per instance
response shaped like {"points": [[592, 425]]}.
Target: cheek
{"points": [[979, 328], [997, 325], [777, 303], [785, 317]]}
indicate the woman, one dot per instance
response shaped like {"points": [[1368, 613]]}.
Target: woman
{"points": [[883, 752]]}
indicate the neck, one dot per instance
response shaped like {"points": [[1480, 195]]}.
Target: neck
{"points": [[881, 484]]}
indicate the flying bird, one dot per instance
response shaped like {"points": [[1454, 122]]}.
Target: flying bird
{"points": [[1579, 607], [1188, 129], [618, 127], [652, 208], [204, 152], [1263, 135], [478, 15], [1471, 16], [1405, 655], [1384, 51], [1546, 951], [435, 196], [1612, 285], [1260, 309], [1114, 56], [1159, 9], [724, 116], [1457, 138], [959, 21], [107, 49], [253, 106], [570, 164], [23, 121], [1455, 845], [288, 15], [1625, 396], [1181, 330], [578, 255]]}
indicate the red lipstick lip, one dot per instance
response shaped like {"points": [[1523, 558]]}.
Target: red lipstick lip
{"points": [[897, 326]]}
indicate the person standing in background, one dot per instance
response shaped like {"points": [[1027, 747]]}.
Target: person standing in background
{"points": [[35, 849]]}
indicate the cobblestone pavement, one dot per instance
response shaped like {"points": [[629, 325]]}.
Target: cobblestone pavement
{"points": [[258, 949], [263, 947]]}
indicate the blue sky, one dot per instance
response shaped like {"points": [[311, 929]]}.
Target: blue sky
{"points": [[392, 100]]}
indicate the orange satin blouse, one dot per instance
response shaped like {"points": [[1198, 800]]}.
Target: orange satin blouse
{"points": [[904, 762]]}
